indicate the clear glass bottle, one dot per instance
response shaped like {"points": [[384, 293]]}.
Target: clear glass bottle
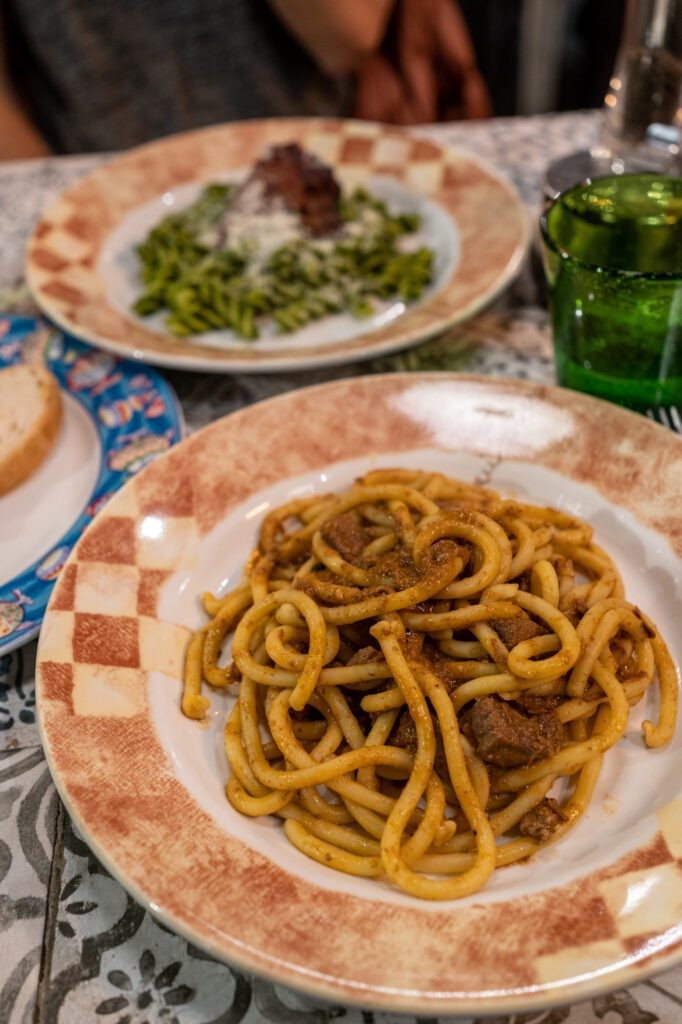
{"points": [[642, 119]]}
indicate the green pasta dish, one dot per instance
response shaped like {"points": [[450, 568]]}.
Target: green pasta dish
{"points": [[286, 245]]}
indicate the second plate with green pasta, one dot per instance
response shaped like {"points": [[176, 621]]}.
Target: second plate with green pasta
{"points": [[276, 245]]}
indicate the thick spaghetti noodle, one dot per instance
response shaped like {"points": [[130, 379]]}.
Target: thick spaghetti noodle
{"points": [[419, 664]]}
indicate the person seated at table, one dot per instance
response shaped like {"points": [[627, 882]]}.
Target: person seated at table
{"points": [[89, 75]]}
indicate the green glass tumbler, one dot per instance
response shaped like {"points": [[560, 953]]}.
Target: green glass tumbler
{"points": [[612, 251]]}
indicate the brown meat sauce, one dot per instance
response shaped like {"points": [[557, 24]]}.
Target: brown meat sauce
{"points": [[396, 570], [345, 534], [514, 631], [534, 705], [404, 733], [503, 736], [542, 821], [445, 668], [364, 656], [306, 186]]}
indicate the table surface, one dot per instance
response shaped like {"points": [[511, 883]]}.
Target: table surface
{"points": [[76, 949]]}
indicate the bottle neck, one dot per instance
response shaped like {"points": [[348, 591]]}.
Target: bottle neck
{"points": [[643, 106]]}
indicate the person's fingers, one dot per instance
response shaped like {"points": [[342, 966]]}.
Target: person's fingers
{"points": [[475, 96], [457, 60], [416, 51], [451, 34], [379, 94], [429, 71]]}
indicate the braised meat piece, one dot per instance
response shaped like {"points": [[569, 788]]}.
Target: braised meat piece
{"points": [[534, 705], [514, 631], [345, 534], [542, 821], [404, 733], [364, 656], [507, 738], [306, 185]]}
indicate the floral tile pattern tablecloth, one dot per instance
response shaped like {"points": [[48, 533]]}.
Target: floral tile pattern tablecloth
{"points": [[76, 949]]}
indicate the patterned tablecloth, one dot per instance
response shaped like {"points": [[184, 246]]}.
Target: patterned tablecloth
{"points": [[75, 948]]}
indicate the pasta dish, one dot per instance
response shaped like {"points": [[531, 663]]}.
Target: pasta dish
{"points": [[286, 245], [428, 677]]}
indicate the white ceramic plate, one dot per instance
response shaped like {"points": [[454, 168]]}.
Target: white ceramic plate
{"points": [[597, 910], [83, 270]]}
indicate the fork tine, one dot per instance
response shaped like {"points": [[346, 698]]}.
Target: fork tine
{"points": [[667, 416]]}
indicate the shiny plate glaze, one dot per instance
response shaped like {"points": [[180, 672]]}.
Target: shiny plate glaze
{"points": [[69, 256], [599, 910]]}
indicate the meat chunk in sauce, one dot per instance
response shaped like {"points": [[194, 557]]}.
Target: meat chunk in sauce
{"points": [[514, 631], [306, 185], [404, 732], [364, 656], [542, 821], [538, 705], [345, 534], [507, 738]]}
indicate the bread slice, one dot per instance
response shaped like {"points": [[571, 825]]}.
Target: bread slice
{"points": [[30, 416]]}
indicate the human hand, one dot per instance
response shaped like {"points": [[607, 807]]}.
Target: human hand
{"points": [[426, 69]]}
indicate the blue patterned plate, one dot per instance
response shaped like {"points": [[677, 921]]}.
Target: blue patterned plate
{"points": [[117, 416]]}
